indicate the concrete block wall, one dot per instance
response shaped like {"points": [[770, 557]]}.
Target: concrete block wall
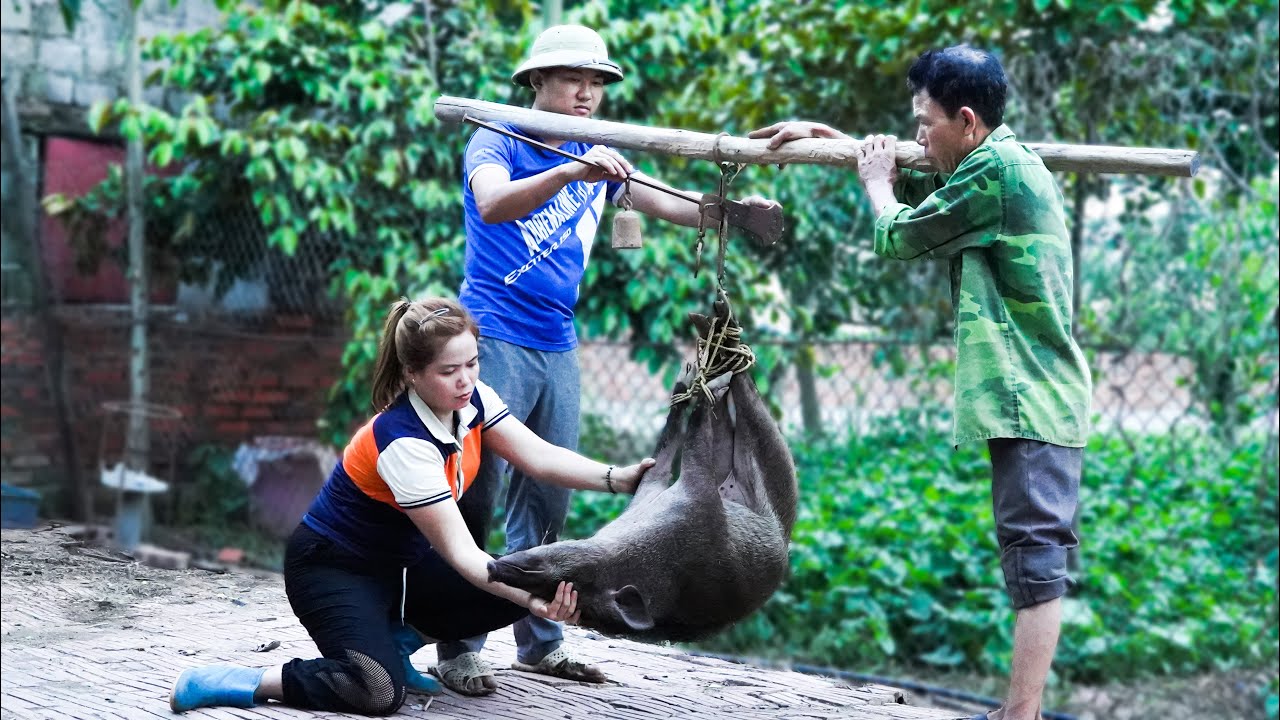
{"points": [[72, 70]]}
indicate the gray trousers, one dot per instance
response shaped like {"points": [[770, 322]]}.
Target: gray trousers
{"points": [[542, 390], [1035, 490]]}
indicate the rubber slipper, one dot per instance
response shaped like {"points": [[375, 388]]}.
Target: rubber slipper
{"points": [[558, 663], [466, 674]]}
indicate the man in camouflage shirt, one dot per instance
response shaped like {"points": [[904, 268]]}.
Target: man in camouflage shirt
{"points": [[1021, 384]]}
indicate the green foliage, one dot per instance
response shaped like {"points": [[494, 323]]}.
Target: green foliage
{"points": [[894, 560], [318, 118], [598, 438], [1201, 283], [211, 492]]}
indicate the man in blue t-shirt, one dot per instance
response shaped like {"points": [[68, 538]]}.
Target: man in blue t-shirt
{"points": [[531, 217]]}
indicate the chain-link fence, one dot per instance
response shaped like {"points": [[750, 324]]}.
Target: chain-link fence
{"points": [[855, 385]]}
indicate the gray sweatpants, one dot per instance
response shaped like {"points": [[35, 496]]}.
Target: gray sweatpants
{"points": [[1035, 492], [542, 390]]}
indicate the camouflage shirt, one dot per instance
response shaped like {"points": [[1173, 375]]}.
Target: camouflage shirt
{"points": [[998, 219]]}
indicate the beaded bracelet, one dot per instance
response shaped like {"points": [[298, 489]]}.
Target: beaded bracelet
{"points": [[608, 480]]}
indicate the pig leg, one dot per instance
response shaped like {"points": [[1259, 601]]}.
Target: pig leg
{"points": [[708, 453], [727, 442], [707, 459], [674, 426], [659, 477], [717, 419], [762, 461], [733, 488]]}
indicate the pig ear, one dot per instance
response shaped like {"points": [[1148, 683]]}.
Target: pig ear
{"points": [[631, 608]]}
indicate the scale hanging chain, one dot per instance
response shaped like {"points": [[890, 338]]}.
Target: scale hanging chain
{"points": [[722, 236], [702, 237], [728, 173]]}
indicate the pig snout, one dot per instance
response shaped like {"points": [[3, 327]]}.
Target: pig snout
{"points": [[537, 571], [520, 570]]}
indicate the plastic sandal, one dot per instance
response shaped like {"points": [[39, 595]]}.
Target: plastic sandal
{"points": [[466, 674], [558, 663]]}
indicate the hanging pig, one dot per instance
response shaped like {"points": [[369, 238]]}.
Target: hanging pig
{"points": [[684, 560]]}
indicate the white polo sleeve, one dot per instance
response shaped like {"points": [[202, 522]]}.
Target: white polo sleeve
{"points": [[491, 406], [414, 470]]}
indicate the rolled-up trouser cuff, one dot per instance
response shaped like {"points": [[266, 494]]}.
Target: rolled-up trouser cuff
{"points": [[1035, 574]]}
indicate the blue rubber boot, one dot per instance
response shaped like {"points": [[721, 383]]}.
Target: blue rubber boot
{"points": [[408, 641], [228, 685]]}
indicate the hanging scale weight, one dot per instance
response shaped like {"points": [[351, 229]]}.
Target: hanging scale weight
{"points": [[626, 223]]}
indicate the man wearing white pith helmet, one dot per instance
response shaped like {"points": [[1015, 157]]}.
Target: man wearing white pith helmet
{"points": [[531, 217]]}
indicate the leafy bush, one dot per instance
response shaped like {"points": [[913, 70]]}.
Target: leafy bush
{"points": [[894, 559], [211, 493], [1200, 283], [210, 511]]}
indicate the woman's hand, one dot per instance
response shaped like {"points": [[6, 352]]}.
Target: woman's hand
{"points": [[626, 479], [564, 608]]}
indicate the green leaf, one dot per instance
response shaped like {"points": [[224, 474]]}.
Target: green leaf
{"points": [[286, 239], [99, 115], [131, 127], [162, 154], [233, 143]]}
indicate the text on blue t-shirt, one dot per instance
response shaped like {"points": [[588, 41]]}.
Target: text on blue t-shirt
{"points": [[521, 277]]}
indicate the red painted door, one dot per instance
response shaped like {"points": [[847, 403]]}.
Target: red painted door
{"points": [[73, 167]]}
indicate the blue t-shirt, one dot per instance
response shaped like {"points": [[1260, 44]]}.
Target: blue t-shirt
{"points": [[521, 281]]}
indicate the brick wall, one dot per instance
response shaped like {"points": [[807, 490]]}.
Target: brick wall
{"points": [[29, 435], [230, 383]]}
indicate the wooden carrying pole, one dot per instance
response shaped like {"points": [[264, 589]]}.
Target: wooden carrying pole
{"points": [[840, 153]]}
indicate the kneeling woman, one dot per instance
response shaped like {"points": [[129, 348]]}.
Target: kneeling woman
{"points": [[383, 550]]}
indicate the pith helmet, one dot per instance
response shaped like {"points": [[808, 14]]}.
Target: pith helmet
{"points": [[571, 46]]}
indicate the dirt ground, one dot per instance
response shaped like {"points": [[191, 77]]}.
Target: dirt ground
{"points": [[94, 585]]}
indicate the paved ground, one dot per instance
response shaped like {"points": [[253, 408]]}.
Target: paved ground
{"points": [[89, 634]]}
